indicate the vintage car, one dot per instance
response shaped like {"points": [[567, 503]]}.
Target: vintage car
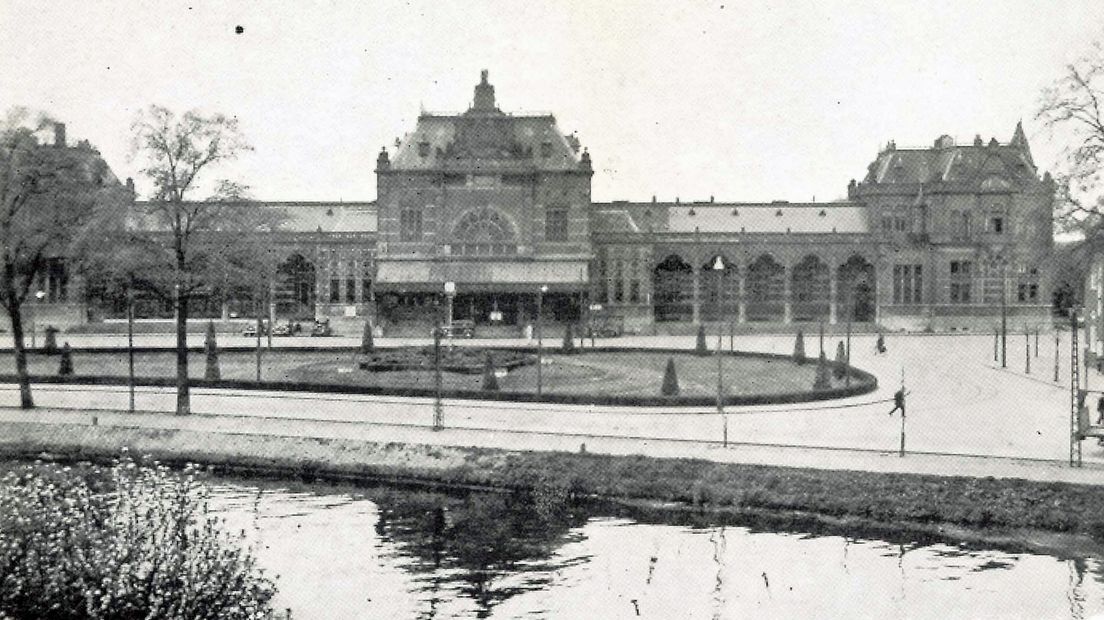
{"points": [[460, 328], [250, 330], [321, 328]]}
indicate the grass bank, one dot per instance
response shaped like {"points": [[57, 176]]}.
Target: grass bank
{"points": [[1009, 513]]}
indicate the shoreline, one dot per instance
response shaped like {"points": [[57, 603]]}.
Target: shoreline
{"points": [[1016, 515]]}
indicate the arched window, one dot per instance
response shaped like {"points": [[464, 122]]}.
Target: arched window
{"points": [[483, 232]]}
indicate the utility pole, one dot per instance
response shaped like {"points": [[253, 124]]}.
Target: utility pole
{"points": [[540, 338], [130, 346], [1004, 318], [850, 312]]}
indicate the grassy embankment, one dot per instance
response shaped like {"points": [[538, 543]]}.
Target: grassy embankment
{"points": [[1013, 514]]}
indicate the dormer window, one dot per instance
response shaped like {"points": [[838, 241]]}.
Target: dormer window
{"points": [[996, 225], [691, 212], [546, 150], [736, 212], [822, 213], [423, 149], [778, 213]]}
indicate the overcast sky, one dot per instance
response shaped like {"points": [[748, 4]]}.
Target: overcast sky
{"points": [[742, 101]]}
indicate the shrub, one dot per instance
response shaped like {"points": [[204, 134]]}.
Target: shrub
{"points": [[822, 381], [490, 381], [65, 368], [799, 348], [670, 379], [49, 346], [132, 541], [841, 361], [568, 340], [210, 347], [701, 348], [367, 341]]}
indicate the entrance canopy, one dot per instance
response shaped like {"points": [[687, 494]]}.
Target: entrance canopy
{"points": [[482, 276]]}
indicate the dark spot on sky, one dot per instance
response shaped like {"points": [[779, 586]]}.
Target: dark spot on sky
{"points": [[238, 29]]}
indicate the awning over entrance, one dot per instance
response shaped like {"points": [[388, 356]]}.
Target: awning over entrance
{"points": [[482, 276]]}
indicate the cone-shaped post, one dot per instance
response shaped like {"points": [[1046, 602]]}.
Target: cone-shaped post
{"points": [[670, 379], [701, 348], [823, 378], [841, 361], [367, 341], [65, 368], [490, 381], [210, 347], [799, 348], [568, 346]]}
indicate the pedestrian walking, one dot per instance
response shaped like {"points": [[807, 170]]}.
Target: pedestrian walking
{"points": [[898, 402], [879, 346]]}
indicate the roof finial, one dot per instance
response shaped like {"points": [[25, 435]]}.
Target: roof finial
{"points": [[484, 95], [483, 76]]}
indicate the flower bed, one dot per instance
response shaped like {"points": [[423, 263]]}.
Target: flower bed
{"points": [[464, 360]]}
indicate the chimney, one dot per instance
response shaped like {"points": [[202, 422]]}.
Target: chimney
{"points": [[59, 135]]}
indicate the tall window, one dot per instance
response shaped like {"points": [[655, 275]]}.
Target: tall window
{"points": [[618, 280], [961, 280], [555, 224], [908, 284], [350, 290], [1027, 290], [366, 287], [410, 225], [335, 290]]}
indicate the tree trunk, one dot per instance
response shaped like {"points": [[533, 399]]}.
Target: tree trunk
{"points": [[25, 399], [183, 398]]}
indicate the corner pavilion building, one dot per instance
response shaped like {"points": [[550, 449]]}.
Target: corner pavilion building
{"points": [[496, 206]]}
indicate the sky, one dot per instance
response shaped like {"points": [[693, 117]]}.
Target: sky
{"points": [[743, 101]]}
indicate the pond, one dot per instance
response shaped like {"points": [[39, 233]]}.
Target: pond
{"points": [[341, 552]]}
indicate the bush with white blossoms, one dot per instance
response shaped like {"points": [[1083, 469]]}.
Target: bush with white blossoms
{"points": [[131, 541]]}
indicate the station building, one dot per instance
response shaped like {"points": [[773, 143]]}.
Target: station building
{"points": [[486, 215]]}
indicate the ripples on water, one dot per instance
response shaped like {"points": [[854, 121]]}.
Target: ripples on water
{"points": [[386, 553]]}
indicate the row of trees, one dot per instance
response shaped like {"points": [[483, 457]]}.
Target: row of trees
{"points": [[57, 201]]}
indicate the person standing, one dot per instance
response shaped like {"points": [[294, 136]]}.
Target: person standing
{"points": [[879, 346]]}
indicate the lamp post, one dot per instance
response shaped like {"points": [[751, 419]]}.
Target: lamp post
{"points": [[594, 308], [450, 293], [718, 270], [847, 355], [34, 317], [540, 334], [1004, 317], [130, 346]]}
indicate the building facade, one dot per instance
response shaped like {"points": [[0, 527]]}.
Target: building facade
{"points": [[486, 216]]}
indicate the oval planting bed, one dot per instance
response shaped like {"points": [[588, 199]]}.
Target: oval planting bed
{"points": [[603, 376]]}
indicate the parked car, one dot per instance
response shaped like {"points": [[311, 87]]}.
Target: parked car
{"points": [[321, 328], [250, 330], [284, 329], [461, 328]]}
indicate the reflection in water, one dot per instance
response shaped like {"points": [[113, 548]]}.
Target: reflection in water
{"points": [[387, 553]]}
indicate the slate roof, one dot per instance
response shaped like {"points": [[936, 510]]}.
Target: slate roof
{"points": [[797, 218], [946, 161], [299, 217], [733, 217], [486, 137]]}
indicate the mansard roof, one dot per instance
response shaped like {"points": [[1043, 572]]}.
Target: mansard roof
{"points": [[485, 137], [946, 161]]}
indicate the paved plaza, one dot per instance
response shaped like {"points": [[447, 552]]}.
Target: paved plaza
{"points": [[960, 403]]}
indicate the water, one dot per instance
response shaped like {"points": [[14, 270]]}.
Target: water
{"points": [[386, 553]]}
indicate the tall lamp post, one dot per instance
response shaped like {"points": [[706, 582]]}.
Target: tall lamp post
{"points": [[450, 294], [438, 406], [130, 346], [850, 314], [1004, 317], [540, 343], [718, 270], [34, 317], [594, 308]]}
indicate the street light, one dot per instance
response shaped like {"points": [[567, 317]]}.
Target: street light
{"points": [[1004, 316], [594, 308], [438, 407], [718, 270], [450, 293], [34, 316], [540, 334]]}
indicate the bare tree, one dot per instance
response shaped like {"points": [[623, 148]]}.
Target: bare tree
{"points": [[181, 240], [52, 198], [1073, 107]]}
